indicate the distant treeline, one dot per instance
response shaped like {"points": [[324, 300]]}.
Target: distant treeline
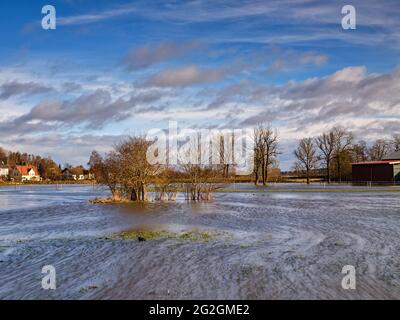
{"points": [[127, 173]]}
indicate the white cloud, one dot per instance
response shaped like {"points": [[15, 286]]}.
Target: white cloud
{"points": [[146, 56], [350, 74], [185, 76], [95, 17]]}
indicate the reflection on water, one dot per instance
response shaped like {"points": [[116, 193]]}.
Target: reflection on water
{"points": [[272, 245]]}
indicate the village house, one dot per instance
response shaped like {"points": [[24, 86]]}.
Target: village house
{"points": [[71, 174], [25, 173], [67, 174], [4, 171]]}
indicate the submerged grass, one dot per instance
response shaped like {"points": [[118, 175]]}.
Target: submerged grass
{"points": [[246, 191], [147, 235], [108, 201]]}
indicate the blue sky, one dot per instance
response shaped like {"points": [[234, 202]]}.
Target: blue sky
{"points": [[113, 68]]}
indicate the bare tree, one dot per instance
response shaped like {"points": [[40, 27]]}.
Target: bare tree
{"points": [[108, 172], [137, 171], [197, 170], [343, 143], [165, 187], [126, 170], [326, 144], [270, 140], [265, 151], [226, 144], [379, 149], [306, 155], [396, 142], [258, 153], [360, 151], [112, 175], [96, 165]]}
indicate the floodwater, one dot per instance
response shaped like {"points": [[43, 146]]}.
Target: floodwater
{"points": [[277, 245]]}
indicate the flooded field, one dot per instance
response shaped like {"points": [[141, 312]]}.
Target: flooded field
{"points": [[261, 245]]}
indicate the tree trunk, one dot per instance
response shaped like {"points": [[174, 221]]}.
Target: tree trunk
{"points": [[339, 169], [265, 169], [134, 195], [256, 177], [143, 193], [263, 174], [328, 171], [226, 171]]}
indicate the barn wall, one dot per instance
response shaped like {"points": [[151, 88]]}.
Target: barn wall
{"points": [[377, 173], [396, 169]]}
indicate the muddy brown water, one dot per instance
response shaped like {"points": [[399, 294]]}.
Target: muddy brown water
{"points": [[280, 245]]}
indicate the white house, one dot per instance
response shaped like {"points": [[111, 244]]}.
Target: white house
{"points": [[4, 172]]}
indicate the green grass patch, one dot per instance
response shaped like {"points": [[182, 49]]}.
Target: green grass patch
{"points": [[148, 235]]}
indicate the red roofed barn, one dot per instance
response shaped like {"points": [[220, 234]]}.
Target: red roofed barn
{"points": [[386, 170]]}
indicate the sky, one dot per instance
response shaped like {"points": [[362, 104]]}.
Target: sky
{"points": [[114, 68]]}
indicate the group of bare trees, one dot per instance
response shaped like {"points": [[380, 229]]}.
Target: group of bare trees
{"points": [[335, 150], [265, 152], [378, 150], [199, 182], [128, 174], [396, 142], [125, 170]]}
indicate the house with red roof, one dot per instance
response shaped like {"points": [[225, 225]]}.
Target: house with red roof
{"points": [[25, 173]]}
